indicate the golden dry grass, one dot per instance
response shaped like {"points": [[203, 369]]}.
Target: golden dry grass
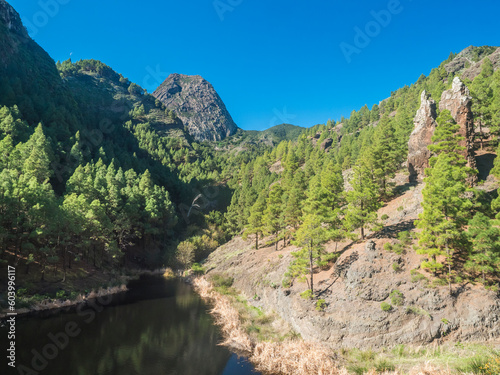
{"points": [[226, 316], [290, 357]]}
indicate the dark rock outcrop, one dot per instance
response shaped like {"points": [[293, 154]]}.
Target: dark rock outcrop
{"points": [[459, 102], [197, 104], [420, 138], [326, 144]]}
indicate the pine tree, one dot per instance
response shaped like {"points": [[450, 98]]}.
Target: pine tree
{"points": [[485, 252], [310, 236], [445, 206], [294, 187], [272, 215], [255, 221], [363, 199], [40, 156], [383, 155], [482, 93]]}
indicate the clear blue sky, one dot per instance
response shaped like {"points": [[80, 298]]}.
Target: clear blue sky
{"points": [[271, 61]]}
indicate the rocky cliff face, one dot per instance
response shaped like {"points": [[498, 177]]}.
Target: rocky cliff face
{"points": [[420, 138], [459, 102], [12, 31], [197, 104]]}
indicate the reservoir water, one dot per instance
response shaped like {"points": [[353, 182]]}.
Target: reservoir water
{"points": [[157, 327]]}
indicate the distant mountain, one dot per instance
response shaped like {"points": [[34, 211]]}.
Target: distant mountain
{"points": [[197, 104], [274, 135]]}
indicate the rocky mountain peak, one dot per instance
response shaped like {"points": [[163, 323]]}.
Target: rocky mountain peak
{"points": [[12, 30], [195, 101], [421, 137], [459, 102], [10, 18]]}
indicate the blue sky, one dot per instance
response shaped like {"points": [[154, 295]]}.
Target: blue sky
{"points": [[271, 61]]}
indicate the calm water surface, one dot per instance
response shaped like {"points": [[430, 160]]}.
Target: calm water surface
{"points": [[158, 327]]}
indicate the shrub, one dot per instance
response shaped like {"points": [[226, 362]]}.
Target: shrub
{"points": [[417, 311], [61, 294], [221, 281], [198, 269], [416, 276], [405, 237], [397, 248], [396, 267], [286, 282], [384, 217], [397, 298], [320, 305], [384, 365], [492, 366], [307, 294], [385, 306]]}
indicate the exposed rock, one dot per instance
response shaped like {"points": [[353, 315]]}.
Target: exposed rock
{"points": [[327, 143], [370, 245], [420, 138], [475, 69], [10, 18], [354, 292], [15, 32], [459, 102], [466, 65], [197, 104]]}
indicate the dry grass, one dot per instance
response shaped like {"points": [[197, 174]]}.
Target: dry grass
{"points": [[289, 357], [294, 357], [226, 316]]}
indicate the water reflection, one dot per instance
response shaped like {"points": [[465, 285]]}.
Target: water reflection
{"points": [[159, 327]]}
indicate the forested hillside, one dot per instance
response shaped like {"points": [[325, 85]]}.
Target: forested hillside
{"points": [[93, 169], [308, 195]]}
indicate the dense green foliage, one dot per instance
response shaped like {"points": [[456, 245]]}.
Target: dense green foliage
{"points": [[372, 145], [94, 168]]}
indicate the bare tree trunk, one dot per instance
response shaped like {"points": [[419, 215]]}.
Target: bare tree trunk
{"points": [[64, 263], [256, 241], [311, 267], [481, 133]]}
